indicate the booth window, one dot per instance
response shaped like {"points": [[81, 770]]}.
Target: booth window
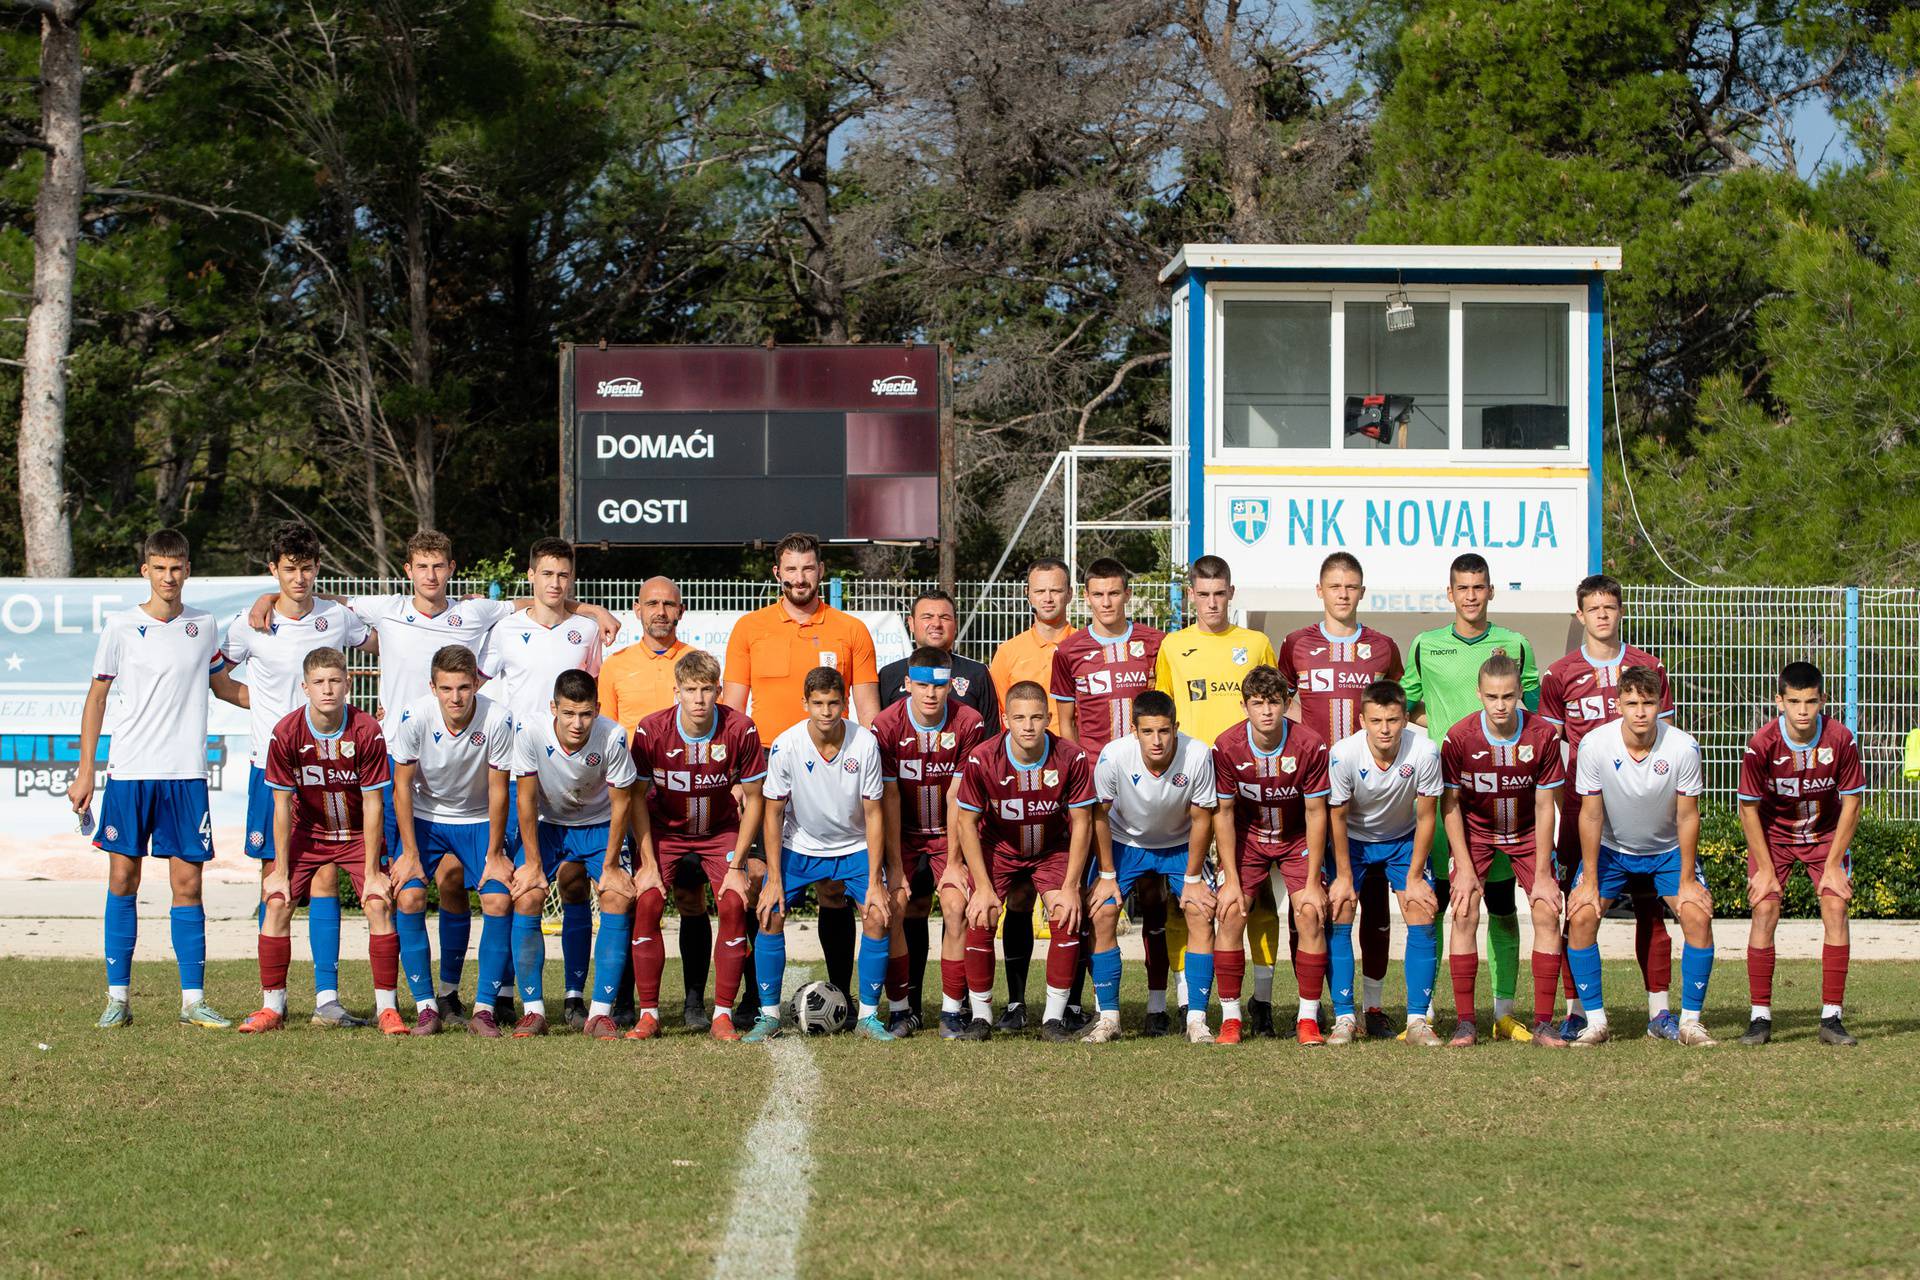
{"points": [[1396, 379], [1515, 386], [1278, 392]]}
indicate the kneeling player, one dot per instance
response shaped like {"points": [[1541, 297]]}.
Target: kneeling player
{"points": [[1022, 809], [1800, 789], [1501, 767], [824, 825], [452, 764], [1381, 816], [1154, 820], [1639, 780], [575, 787], [691, 757], [327, 766]]}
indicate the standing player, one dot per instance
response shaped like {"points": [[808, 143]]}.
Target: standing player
{"points": [[1271, 776], [161, 656], [327, 766], [575, 786], [1331, 663], [692, 758], [1021, 812], [1443, 686], [1153, 821], [1800, 789], [1641, 780], [923, 739], [1200, 667], [1029, 656], [452, 755], [824, 823], [1579, 694], [299, 624], [1381, 816], [1501, 767]]}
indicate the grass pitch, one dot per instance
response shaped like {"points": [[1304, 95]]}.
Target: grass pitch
{"points": [[167, 1151]]}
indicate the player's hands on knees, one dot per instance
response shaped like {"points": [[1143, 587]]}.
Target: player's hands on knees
{"points": [[498, 866], [1694, 894], [1761, 885], [1063, 911], [1340, 894], [879, 911], [735, 881], [1199, 898], [983, 904], [1835, 884], [1420, 894], [772, 903], [378, 887], [1546, 892], [407, 867], [274, 885], [1584, 899], [1312, 898], [1229, 904], [616, 882], [1467, 892], [528, 878]]}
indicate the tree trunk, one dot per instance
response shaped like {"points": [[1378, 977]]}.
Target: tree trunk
{"points": [[47, 530], [420, 332], [813, 186]]}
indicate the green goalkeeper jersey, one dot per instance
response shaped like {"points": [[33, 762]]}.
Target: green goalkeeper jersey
{"points": [[1443, 672]]}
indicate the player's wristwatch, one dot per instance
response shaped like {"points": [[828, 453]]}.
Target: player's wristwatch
{"points": [[1109, 875], [1192, 879]]}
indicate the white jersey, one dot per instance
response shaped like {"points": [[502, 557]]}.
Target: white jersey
{"points": [[1150, 811], [574, 785], [156, 722], [1637, 796], [526, 658], [1383, 804], [274, 658], [409, 638], [825, 816], [451, 783]]}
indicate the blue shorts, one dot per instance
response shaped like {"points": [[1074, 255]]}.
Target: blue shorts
{"points": [[1132, 864], [800, 871], [1392, 856], [164, 817], [466, 841], [1615, 867], [260, 816], [559, 844]]}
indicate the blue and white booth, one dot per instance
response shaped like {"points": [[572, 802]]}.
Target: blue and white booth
{"points": [[1404, 403]]}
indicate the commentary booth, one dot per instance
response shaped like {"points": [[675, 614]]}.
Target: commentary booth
{"points": [[1403, 403]]}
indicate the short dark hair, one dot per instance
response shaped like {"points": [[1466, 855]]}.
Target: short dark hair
{"points": [[1469, 562], [1597, 584], [804, 544], [1107, 567], [1212, 568], [1499, 666], [1026, 691], [456, 658], [1154, 702], [325, 657], [169, 543], [575, 686], [823, 680], [1644, 681], [928, 656], [1265, 682], [1384, 693], [932, 593], [549, 549], [1046, 564], [1342, 560], [294, 541], [1800, 675]]}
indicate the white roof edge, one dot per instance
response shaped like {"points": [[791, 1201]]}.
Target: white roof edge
{"points": [[1409, 257]]}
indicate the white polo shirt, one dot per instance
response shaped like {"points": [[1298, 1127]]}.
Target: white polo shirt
{"points": [[574, 785], [409, 638], [274, 659], [451, 783], [1638, 796], [526, 658], [156, 722], [824, 817], [1383, 804], [1150, 811]]}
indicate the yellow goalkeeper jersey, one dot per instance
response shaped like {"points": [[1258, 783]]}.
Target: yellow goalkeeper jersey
{"points": [[1202, 673]]}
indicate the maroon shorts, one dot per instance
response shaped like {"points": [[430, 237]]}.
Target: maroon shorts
{"points": [[685, 863], [1520, 855], [937, 868], [305, 858], [1045, 874], [1811, 856], [1258, 861]]}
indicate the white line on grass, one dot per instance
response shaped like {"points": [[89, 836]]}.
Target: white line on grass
{"points": [[762, 1237]]}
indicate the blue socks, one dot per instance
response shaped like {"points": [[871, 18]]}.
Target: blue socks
{"points": [[1696, 967], [1199, 981], [1340, 969], [455, 929], [576, 944], [1584, 963], [190, 945], [123, 926], [770, 969], [529, 957], [323, 938], [1105, 968], [873, 969], [415, 960], [1422, 964], [610, 955], [496, 959]]}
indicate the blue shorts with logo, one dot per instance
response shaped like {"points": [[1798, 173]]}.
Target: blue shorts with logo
{"points": [[260, 815], [1615, 867], [587, 845], [466, 842], [1132, 864], [800, 871], [162, 817], [1395, 857]]}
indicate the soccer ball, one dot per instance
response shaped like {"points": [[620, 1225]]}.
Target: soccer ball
{"points": [[820, 1008]]}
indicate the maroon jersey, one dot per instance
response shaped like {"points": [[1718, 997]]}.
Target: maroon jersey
{"points": [[1798, 788], [1270, 789], [327, 774], [1579, 695], [690, 797], [1023, 808], [1101, 678], [1497, 780], [923, 763], [1330, 673]]}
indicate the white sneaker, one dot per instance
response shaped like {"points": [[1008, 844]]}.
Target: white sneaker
{"points": [[1197, 1033], [1345, 1028], [1102, 1031], [1595, 1033], [1420, 1032], [1695, 1035]]}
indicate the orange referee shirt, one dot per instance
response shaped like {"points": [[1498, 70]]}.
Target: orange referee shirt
{"points": [[1028, 656], [637, 681], [771, 654]]}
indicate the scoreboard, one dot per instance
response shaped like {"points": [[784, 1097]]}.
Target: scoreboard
{"points": [[690, 445]]}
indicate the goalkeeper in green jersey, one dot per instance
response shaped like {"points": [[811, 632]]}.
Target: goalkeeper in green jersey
{"points": [[1443, 682]]}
